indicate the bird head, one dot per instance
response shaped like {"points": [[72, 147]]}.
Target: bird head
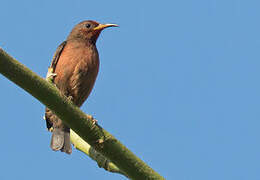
{"points": [[89, 30]]}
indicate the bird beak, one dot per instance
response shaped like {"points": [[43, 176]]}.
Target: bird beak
{"points": [[103, 26]]}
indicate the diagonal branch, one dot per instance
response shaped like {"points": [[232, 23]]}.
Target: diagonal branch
{"points": [[84, 147], [73, 117], [101, 160]]}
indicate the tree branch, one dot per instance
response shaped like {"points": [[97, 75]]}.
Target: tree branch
{"points": [[101, 160], [83, 146], [73, 117]]}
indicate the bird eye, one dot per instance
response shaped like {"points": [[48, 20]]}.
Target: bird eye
{"points": [[88, 25]]}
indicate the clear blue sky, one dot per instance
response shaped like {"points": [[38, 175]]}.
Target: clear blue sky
{"points": [[178, 85]]}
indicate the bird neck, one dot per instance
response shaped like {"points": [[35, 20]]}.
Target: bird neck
{"points": [[90, 37], [86, 41]]}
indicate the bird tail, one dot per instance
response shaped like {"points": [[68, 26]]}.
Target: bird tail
{"points": [[60, 140]]}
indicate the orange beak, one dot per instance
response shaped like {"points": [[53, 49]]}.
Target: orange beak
{"points": [[103, 26]]}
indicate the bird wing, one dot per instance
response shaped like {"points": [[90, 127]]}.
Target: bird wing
{"points": [[57, 54], [51, 70]]}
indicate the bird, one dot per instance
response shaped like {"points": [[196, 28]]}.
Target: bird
{"points": [[75, 66]]}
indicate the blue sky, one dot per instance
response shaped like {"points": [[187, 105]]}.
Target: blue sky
{"points": [[178, 85]]}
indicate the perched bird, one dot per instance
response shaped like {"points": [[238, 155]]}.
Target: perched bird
{"points": [[75, 66]]}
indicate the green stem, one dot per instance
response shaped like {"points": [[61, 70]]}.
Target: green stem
{"points": [[73, 117], [84, 147], [101, 160]]}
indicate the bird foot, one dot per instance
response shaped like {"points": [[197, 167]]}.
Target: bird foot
{"points": [[70, 98], [94, 121], [50, 75]]}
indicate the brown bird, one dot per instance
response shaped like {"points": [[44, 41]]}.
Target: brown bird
{"points": [[75, 66]]}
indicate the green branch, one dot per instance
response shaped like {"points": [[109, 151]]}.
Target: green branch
{"points": [[84, 147], [101, 160], [73, 117]]}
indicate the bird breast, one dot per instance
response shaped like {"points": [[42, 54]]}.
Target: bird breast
{"points": [[77, 70]]}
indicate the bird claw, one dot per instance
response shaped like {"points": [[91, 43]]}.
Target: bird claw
{"points": [[70, 98], [94, 121], [50, 75]]}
